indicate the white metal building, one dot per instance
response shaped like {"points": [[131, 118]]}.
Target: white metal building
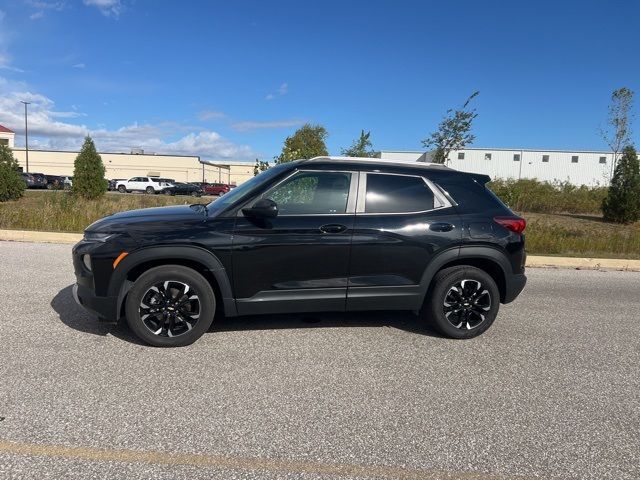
{"points": [[590, 168]]}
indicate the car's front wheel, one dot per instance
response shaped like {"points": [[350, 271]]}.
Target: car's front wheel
{"points": [[150, 190], [122, 189], [170, 306], [463, 302]]}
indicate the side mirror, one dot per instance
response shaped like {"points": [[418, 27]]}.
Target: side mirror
{"points": [[263, 208]]}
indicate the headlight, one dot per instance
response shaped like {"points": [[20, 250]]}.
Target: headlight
{"points": [[86, 259], [98, 237]]}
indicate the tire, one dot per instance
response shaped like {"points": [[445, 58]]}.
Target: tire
{"points": [[195, 194], [149, 190], [473, 312], [167, 192], [122, 189], [163, 324], [49, 186]]}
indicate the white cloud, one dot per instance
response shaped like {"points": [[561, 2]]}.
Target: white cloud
{"points": [[43, 5], [50, 129], [282, 90], [37, 15], [210, 115], [79, 65], [109, 8], [255, 125]]}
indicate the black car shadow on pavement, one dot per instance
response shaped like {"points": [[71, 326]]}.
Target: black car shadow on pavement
{"points": [[74, 316]]}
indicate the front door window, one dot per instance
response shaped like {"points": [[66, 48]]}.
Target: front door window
{"points": [[312, 193]]}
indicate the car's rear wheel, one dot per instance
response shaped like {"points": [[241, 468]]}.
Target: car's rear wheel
{"points": [[195, 194], [150, 190], [170, 306], [122, 189], [463, 302], [167, 192]]}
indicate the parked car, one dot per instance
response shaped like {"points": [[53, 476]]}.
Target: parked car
{"points": [[29, 181], [113, 184], [181, 188], [39, 180], [55, 182], [164, 180], [214, 188], [142, 184], [313, 235]]}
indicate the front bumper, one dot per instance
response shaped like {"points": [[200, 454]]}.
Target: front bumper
{"points": [[514, 285], [106, 308]]}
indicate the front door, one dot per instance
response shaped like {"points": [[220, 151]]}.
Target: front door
{"points": [[299, 260]]}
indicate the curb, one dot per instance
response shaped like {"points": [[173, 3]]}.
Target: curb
{"points": [[533, 261], [37, 236], [584, 263]]}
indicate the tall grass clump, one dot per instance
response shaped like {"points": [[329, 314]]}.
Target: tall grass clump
{"points": [[544, 197]]}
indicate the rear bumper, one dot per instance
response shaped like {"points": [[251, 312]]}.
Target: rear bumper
{"points": [[514, 285], [106, 308]]}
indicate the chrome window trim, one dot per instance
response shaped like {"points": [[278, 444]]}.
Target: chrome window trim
{"points": [[437, 194], [351, 199]]}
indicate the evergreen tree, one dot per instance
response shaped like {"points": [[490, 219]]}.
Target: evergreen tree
{"points": [[88, 172], [11, 183], [622, 204]]}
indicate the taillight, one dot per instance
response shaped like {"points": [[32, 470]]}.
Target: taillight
{"points": [[514, 224]]}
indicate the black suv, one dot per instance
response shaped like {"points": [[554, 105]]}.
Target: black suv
{"points": [[326, 234]]}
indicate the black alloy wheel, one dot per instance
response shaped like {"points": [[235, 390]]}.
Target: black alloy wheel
{"points": [[463, 302], [170, 306]]}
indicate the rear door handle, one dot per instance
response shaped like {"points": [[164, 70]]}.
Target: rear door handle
{"points": [[440, 227], [333, 228]]}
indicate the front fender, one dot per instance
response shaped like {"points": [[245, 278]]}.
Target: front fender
{"points": [[119, 285]]}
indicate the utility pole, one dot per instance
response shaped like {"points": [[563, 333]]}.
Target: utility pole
{"points": [[26, 135]]}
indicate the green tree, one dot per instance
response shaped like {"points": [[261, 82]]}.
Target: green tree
{"points": [[454, 131], [11, 183], [622, 204], [617, 134], [362, 147], [259, 167], [306, 142], [88, 172]]}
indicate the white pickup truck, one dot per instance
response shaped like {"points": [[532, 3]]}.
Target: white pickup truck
{"points": [[142, 184]]}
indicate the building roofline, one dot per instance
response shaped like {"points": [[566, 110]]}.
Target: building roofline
{"points": [[501, 149], [113, 153], [4, 129]]}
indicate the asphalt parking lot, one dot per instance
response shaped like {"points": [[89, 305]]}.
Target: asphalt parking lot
{"points": [[551, 390]]}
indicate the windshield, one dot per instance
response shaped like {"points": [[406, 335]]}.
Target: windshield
{"points": [[247, 187]]}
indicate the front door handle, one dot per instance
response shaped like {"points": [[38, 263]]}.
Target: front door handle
{"points": [[440, 227], [333, 228]]}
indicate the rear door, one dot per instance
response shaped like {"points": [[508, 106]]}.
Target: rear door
{"points": [[299, 260], [402, 222]]}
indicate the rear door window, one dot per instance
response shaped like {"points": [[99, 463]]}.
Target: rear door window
{"points": [[397, 194]]}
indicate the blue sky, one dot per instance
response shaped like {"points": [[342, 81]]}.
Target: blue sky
{"points": [[230, 80]]}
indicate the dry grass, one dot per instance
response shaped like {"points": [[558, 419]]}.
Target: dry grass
{"points": [[61, 212], [580, 236], [547, 234]]}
